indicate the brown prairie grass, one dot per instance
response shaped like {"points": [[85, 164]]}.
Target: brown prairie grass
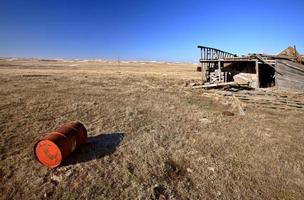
{"points": [[150, 137]]}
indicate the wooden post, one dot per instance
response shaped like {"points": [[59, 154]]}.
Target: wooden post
{"points": [[220, 71], [207, 65], [257, 74], [203, 72]]}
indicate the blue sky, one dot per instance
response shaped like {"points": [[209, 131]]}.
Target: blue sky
{"points": [[147, 29]]}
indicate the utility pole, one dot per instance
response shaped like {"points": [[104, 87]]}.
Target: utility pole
{"points": [[118, 61]]}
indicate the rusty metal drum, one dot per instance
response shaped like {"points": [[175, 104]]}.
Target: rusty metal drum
{"points": [[59, 144]]}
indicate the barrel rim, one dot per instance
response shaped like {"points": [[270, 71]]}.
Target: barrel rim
{"points": [[43, 163]]}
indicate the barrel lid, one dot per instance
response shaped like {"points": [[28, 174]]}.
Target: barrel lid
{"points": [[48, 153]]}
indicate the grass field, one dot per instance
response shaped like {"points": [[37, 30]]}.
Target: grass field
{"points": [[150, 137]]}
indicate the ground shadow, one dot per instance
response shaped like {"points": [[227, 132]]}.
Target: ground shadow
{"points": [[94, 148]]}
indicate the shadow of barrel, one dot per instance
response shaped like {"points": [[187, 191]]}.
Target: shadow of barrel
{"points": [[95, 147]]}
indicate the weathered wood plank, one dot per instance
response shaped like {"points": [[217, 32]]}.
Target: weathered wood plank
{"points": [[290, 76]]}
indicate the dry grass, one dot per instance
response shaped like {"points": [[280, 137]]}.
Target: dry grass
{"points": [[163, 140]]}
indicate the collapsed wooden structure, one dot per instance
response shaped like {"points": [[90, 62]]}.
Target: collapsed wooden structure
{"points": [[220, 68]]}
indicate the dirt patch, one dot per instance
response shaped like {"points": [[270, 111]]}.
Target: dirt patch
{"points": [[173, 170]]}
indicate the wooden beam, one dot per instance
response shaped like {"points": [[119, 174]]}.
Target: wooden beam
{"points": [[215, 85]]}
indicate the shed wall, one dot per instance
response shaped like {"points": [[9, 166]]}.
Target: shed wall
{"points": [[289, 76]]}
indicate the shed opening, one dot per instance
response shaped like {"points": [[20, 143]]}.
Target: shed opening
{"points": [[266, 76]]}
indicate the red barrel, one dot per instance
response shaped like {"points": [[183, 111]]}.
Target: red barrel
{"points": [[57, 145]]}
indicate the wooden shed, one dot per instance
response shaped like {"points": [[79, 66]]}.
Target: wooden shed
{"points": [[220, 68]]}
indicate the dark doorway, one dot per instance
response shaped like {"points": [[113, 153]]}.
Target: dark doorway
{"points": [[266, 76]]}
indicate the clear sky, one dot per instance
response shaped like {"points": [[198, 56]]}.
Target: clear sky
{"points": [[147, 29]]}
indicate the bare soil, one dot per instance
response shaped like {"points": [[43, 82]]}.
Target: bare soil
{"points": [[150, 137]]}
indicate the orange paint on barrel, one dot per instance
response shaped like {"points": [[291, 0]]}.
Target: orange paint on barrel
{"points": [[59, 144]]}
